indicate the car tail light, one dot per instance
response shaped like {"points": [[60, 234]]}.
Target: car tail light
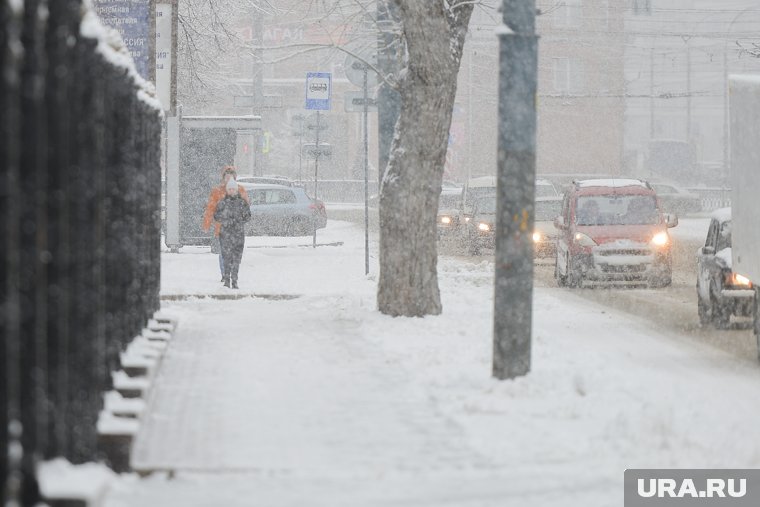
{"points": [[318, 207], [736, 279]]}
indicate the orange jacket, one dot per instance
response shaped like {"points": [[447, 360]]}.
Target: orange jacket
{"points": [[216, 195]]}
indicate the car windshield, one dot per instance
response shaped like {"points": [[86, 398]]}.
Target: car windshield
{"points": [[448, 201], [724, 238], [664, 189], [545, 191], [272, 196], [548, 210], [616, 210], [486, 205]]}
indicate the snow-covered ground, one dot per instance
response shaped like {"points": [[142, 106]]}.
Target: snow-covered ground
{"points": [[322, 401], [692, 228]]}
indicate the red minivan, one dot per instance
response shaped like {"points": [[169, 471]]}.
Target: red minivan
{"points": [[613, 230]]}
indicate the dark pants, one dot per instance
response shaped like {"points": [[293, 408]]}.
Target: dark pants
{"points": [[216, 248], [232, 253]]}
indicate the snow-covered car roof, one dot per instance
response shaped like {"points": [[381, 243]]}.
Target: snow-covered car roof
{"points": [[451, 191], [721, 215], [264, 186], [549, 198], [612, 182], [482, 181]]}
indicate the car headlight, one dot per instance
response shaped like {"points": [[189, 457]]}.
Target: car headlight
{"points": [[537, 237], [737, 279], [467, 220], [584, 240], [660, 239], [446, 220], [484, 227]]}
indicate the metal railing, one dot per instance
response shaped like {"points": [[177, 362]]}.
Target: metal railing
{"points": [[79, 205], [712, 198]]}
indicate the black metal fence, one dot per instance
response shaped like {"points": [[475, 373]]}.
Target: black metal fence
{"points": [[80, 190]]}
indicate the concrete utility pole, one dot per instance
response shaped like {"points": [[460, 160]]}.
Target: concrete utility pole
{"points": [[515, 190], [688, 93], [257, 78], [366, 174]]}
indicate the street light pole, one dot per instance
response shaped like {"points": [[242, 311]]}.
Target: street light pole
{"points": [[316, 172], [257, 81], [515, 190], [366, 177]]}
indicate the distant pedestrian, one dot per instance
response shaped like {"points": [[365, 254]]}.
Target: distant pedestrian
{"points": [[215, 196], [232, 213]]}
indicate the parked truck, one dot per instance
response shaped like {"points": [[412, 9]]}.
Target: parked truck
{"points": [[745, 182]]}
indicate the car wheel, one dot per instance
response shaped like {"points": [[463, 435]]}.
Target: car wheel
{"points": [[574, 277], [474, 248], [561, 280], [661, 283], [298, 226], [703, 310], [720, 316]]}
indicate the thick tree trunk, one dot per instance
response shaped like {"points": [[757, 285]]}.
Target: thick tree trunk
{"points": [[408, 284]]}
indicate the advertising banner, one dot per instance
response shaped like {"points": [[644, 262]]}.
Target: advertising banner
{"points": [[133, 19]]}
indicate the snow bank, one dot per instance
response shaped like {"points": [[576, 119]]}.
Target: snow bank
{"points": [[60, 480]]}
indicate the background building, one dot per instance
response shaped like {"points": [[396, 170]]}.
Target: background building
{"points": [[581, 100], [677, 59]]}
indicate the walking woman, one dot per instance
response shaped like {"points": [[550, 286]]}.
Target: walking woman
{"points": [[232, 213]]}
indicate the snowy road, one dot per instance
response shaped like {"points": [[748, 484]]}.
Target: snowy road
{"points": [[674, 307], [321, 401]]}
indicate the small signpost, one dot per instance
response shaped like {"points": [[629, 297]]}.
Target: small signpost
{"points": [[312, 151], [353, 102], [318, 94], [166, 54], [359, 70], [318, 90]]}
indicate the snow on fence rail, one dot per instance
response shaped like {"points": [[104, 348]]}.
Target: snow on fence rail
{"points": [[712, 198], [79, 203]]}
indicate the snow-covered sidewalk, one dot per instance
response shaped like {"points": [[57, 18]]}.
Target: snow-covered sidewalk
{"points": [[321, 401]]}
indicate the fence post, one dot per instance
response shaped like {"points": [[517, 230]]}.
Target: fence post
{"points": [[9, 255], [79, 207]]}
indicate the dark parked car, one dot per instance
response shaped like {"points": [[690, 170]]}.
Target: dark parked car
{"points": [[545, 235], [478, 229], [675, 199], [277, 210], [449, 211], [721, 292]]}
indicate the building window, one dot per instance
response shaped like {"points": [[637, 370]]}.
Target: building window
{"points": [[642, 6], [568, 75], [568, 13]]}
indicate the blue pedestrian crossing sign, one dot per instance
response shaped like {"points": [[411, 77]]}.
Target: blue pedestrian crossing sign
{"points": [[318, 90]]}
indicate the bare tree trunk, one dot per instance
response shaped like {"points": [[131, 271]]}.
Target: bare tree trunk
{"points": [[434, 35]]}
